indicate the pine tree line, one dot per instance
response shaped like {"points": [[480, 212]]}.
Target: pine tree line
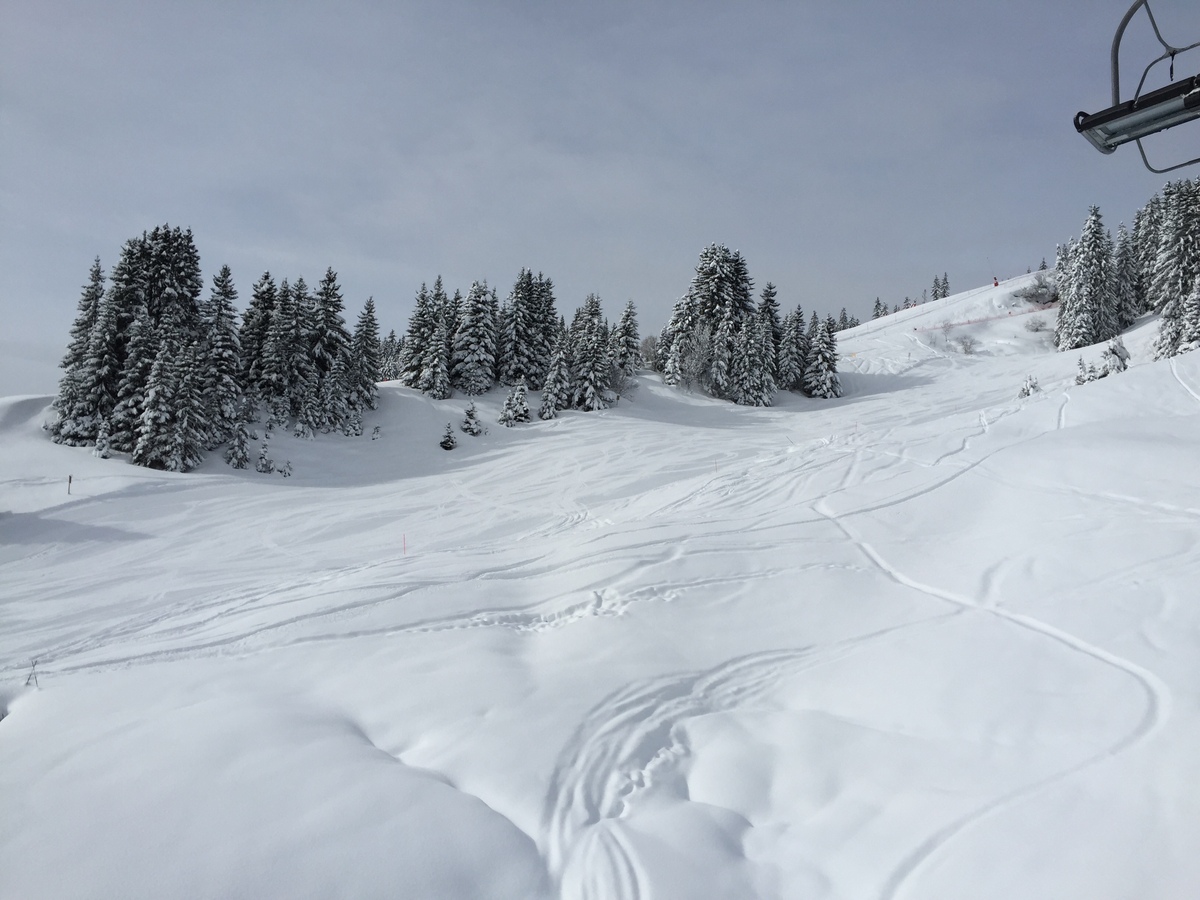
{"points": [[1104, 284], [472, 344], [154, 371], [719, 341], [941, 290]]}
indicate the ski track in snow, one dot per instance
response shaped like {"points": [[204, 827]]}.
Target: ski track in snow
{"points": [[630, 743], [1183, 384], [1158, 707]]}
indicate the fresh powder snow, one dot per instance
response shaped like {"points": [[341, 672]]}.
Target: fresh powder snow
{"points": [[926, 640]]}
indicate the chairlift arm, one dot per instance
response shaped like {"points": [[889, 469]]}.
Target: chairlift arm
{"points": [[1146, 114]]}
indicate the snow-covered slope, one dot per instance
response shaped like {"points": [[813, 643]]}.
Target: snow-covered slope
{"points": [[928, 640]]}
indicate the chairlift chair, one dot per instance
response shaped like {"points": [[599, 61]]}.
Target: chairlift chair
{"points": [[1144, 114]]}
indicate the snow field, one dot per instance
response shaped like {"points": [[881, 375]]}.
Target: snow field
{"points": [[928, 640]]}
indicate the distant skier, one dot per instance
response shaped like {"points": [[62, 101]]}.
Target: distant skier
{"points": [[995, 281]]}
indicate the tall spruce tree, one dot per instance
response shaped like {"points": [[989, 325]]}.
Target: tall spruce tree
{"points": [[820, 375], [1125, 275], [221, 360], [141, 350], [768, 311], [557, 390], [590, 359], [70, 403], [365, 349], [277, 351], [1088, 314], [256, 323], [474, 360], [625, 344], [793, 352], [421, 327], [719, 300]]}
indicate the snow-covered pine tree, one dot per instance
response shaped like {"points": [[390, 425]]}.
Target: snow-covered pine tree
{"points": [[685, 318], [793, 352], [504, 339], [237, 454], [1088, 312], [557, 391], [880, 309], [421, 326], [98, 380], [1082, 376], [264, 465], [1169, 280], [252, 336], [516, 406], [1179, 325], [820, 375], [591, 365], [329, 347], [843, 321], [389, 357], [365, 358], [724, 343], [221, 361], [1147, 223], [166, 278], [272, 383], [140, 350], [308, 416], [102, 442], [752, 381], [1103, 275], [624, 346], [1064, 285], [1115, 356], [1125, 275], [474, 361], [333, 401], [303, 377], [720, 299], [70, 403], [435, 369], [448, 441], [153, 447], [520, 402], [546, 328], [452, 316], [1189, 338], [87, 312], [768, 311], [521, 332], [470, 423], [741, 374]]}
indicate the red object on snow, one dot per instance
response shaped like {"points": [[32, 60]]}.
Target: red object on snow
{"points": [[995, 281]]}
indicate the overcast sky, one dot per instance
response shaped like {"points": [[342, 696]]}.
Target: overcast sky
{"points": [[850, 150]]}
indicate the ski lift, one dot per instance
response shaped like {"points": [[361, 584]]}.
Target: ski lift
{"points": [[1145, 114]]}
